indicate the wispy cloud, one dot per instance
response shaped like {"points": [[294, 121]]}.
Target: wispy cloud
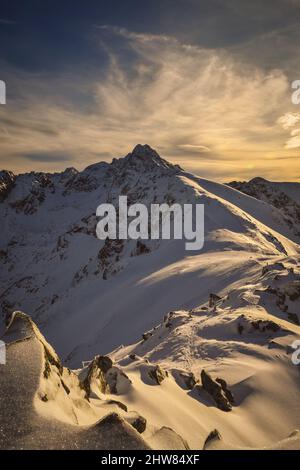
{"points": [[288, 122], [200, 107]]}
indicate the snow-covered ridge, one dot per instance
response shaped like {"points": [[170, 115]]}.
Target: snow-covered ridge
{"points": [[180, 349], [53, 266], [283, 196], [189, 382]]}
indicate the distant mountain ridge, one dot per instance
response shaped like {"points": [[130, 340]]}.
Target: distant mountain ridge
{"points": [[55, 268], [284, 196]]}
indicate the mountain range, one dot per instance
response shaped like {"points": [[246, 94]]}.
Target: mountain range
{"points": [[152, 346]]}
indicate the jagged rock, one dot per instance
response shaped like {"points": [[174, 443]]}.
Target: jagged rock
{"points": [[7, 181], [38, 184], [265, 325], [51, 360], [93, 374], [213, 300], [276, 195], [133, 357], [216, 391], [140, 249], [104, 363], [292, 290], [168, 316], [158, 374], [117, 380], [117, 403], [138, 422], [273, 267], [65, 387], [228, 393], [189, 379], [147, 335], [167, 319], [103, 376], [108, 257], [213, 435]]}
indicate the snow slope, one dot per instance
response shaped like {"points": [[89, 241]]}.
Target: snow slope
{"points": [[173, 324], [89, 296], [151, 393], [285, 197]]}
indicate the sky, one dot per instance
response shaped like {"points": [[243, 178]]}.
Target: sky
{"points": [[207, 83]]}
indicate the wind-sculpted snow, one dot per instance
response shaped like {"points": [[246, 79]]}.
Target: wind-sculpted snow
{"points": [[44, 406], [181, 349], [188, 383]]}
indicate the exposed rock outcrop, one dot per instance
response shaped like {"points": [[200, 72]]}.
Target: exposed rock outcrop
{"points": [[217, 390], [158, 374]]}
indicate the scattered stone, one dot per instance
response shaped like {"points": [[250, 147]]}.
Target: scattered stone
{"points": [[104, 363], [293, 290], [94, 373], [189, 379], [146, 335], [216, 391], [213, 435], [138, 422], [117, 380], [213, 300], [118, 403], [133, 357], [66, 388], [228, 393], [265, 325], [273, 267], [158, 374]]}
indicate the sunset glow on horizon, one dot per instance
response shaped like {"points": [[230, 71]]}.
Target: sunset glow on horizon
{"points": [[217, 101]]}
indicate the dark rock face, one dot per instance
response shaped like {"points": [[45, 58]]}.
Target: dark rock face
{"points": [[108, 257], [113, 376], [213, 300], [275, 195], [218, 391], [39, 185], [265, 325], [146, 335], [213, 435], [158, 374], [96, 373], [104, 363], [228, 393], [117, 403], [7, 181], [107, 376], [133, 357], [189, 379], [139, 423]]}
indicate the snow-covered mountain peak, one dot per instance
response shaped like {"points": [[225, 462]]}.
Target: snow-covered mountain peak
{"points": [[143, 156], [50, 224]]}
